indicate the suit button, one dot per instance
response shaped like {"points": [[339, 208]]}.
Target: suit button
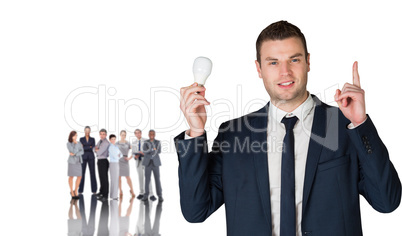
{"points": [[364, 137], [368, 146], [369, 151], [366, 142]]}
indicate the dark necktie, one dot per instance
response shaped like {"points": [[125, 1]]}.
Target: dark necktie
{"points": [[288, 208], [139, 149]]}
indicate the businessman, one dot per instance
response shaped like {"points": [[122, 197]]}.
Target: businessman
{"points": [[88, 159], [137, 148], [151, 162], [294, 167], [102, 153]]}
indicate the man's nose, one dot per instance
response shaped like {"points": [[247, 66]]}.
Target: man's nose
{"points": [[285, 69]]}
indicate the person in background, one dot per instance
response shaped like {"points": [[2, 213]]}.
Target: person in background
{"points": [[88, 159], [114, 156], [74, 162], [137, 147], [102, 152], [124, 167], [152, 148]]}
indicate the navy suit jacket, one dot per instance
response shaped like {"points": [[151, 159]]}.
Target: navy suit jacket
{"points": [[341, 164], [88, 151]]}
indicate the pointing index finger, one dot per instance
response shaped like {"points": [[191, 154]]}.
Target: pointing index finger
{"points": [[356, 77]]}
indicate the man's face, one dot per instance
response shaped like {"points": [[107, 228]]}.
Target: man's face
{"points": [[102, 135], [137, 134], [151, 135], [284, 69]]}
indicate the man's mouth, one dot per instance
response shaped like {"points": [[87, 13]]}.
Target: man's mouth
{"points": [[287, 84]]}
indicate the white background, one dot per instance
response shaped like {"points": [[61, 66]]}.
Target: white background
{"points": [[139, 54]]}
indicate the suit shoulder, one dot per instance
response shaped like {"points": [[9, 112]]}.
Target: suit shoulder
{"points": [[235, 123]]}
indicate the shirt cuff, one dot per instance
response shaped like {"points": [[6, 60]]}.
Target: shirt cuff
{"points": [[186, 136], [351, 126]]}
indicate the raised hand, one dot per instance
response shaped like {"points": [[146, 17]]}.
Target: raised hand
{"points": [[192, 101], [351, 99]]}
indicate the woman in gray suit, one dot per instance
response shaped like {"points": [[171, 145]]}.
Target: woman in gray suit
{"points": [[124, 166], [76, 150]]}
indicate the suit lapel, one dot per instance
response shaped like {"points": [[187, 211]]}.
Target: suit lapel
{"points": [[259, 123], [321, 121]]}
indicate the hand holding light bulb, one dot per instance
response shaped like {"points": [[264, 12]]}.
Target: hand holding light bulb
{"points": [[192, 98]]}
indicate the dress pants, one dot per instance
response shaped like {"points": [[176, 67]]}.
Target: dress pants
{"points": [[141, 177], [155, 169], [103, 169], [91, 165]]}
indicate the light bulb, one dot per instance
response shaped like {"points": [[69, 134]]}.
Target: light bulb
{"points": [[201, 69]]}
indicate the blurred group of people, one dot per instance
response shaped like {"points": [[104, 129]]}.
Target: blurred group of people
{"points": [[113, 159]]}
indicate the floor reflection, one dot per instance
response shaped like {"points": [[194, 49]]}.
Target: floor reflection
{"points": [[114, 217]]}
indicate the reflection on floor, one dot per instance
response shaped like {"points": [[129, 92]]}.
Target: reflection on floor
{"points": [[79, 224]]}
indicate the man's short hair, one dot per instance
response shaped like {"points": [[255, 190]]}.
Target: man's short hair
{"points": [[103, 130], [137, 130], [151, 130], [112, 136], [87, 127], [278, 31]]}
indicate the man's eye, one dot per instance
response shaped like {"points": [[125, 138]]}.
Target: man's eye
{"points": [[295, 60], [273, 63]]}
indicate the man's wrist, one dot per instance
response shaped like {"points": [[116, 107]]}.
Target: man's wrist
{"points": [[188, 134], [355, 125], [194, 134]]}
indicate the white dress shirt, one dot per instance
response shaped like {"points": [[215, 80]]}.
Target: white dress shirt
{"points": [[134, 145], [275, 135]]}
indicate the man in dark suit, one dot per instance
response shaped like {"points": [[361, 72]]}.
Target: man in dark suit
{"points": [[151, 162], [88, 159], [294, 167]]}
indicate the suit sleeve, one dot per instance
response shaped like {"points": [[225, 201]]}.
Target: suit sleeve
{"points": [[200, 173], [146, 148], [86, 147], [70, 148], [158, 148], [80, 151], [379, 182], [93, 144]]}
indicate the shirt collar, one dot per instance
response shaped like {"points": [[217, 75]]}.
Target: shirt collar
{"points": [[301, 111]]}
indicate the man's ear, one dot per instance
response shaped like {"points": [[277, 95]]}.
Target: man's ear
{"points": [[308, 62], [258, 68]]}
